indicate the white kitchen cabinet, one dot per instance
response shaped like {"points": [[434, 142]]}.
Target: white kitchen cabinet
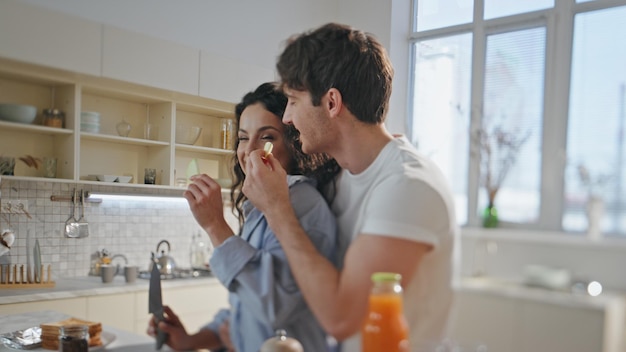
{"points": [[112, 310], [36, 35], [76, 307], [552, 327], [81, 154], [141, 315], [514, 318], [196, 305], [149, 61], [232, 74], [484, 319]]}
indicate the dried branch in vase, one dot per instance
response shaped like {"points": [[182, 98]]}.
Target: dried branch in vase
{"points": [[31, 161], [498, 151], [594, 184]]}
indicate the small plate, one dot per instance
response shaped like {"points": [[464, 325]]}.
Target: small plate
{"points": [[107, 338]]}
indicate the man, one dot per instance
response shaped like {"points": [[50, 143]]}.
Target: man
{"points": [[394, 210]]}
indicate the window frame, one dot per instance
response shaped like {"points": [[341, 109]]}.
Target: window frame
{"points": [[559, 24]]}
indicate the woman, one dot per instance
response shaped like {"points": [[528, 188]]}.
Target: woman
{"points": [[263, 293]]}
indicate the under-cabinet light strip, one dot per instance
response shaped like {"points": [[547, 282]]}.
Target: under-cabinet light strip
{"points": [[137, 197]]}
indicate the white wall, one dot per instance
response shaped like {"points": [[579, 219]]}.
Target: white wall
{"points": [[389, 21], [256, 34], [248, 30]]}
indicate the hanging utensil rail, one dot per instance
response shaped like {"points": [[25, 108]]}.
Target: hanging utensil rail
{"points": [[88, 199]]}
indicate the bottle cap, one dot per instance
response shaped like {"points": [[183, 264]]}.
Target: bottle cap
{"points": [[386, 277]]}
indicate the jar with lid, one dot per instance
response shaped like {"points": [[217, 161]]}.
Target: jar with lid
{"points": [[74, 338], [385, 327], [53, 118]]}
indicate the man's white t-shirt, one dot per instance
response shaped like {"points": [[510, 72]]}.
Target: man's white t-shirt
{"points": [[402, 194]]}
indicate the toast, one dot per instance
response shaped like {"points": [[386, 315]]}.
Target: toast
{"points": [[50, 332]]}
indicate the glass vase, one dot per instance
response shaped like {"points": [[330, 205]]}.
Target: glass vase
{"points": [[490, 216], [595, 213]]}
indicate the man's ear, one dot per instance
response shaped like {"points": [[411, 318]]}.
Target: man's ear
{"points": [[334, 102]]}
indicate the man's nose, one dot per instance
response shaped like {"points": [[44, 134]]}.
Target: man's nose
{"points": [[287, 116]]}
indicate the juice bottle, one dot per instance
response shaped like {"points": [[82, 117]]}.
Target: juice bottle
{"points": [[385, 327]]}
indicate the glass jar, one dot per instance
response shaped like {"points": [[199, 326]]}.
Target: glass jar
{"points": [[226, 134], [385, 327], [74, 338], [53, 118]]}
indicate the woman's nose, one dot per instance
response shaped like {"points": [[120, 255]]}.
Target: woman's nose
{"points": [[252, 146]]}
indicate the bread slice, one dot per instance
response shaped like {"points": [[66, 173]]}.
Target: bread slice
{"points": [[50, 332]]}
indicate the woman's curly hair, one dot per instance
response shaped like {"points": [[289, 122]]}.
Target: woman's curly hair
{"points": [[319, 166]]}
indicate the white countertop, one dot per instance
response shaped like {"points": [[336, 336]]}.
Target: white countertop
{"points": [[516, 289], [91, 286], [121, 340]]}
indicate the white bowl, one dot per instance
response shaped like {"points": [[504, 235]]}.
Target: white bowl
{"points": [[90, 127], [90, 117], [187, 134], [18, 113], [111, 178], [124, 179], [106, 178]]}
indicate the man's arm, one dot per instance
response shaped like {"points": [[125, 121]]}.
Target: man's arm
{"points": [[338, 299]]}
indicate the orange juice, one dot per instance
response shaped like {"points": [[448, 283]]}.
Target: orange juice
{"points": [[385, 328]]}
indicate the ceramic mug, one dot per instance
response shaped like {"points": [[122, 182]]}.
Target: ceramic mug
{"points": [[108, 272], [131, 273]]}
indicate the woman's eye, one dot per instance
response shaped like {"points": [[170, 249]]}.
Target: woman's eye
{"points": [[267, 138], [242, 138]]}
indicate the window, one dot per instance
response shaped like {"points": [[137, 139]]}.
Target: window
{"points": [[441, 116], [597, 119], [551, 74]]}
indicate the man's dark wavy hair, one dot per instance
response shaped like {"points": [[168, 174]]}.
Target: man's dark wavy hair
{"points": [[341, 57]]}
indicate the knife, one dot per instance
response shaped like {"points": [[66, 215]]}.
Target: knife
{"points": [[29, 278], [37, 258], [155, 302]]}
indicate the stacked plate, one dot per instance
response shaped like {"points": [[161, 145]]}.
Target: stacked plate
{"points": [[90, 121]]}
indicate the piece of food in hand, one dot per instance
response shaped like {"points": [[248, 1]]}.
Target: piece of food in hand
{"points": [[267, 150]]}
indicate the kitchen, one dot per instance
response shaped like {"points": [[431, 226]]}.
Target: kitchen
{"points": [[133, 227]]}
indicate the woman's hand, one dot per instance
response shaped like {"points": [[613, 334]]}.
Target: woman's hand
{"points": [[178, 338], [204, 196], [225, 336], [266, 184]]}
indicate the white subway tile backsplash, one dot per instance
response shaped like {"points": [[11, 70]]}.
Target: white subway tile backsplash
{"points": [[129, 227]]}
